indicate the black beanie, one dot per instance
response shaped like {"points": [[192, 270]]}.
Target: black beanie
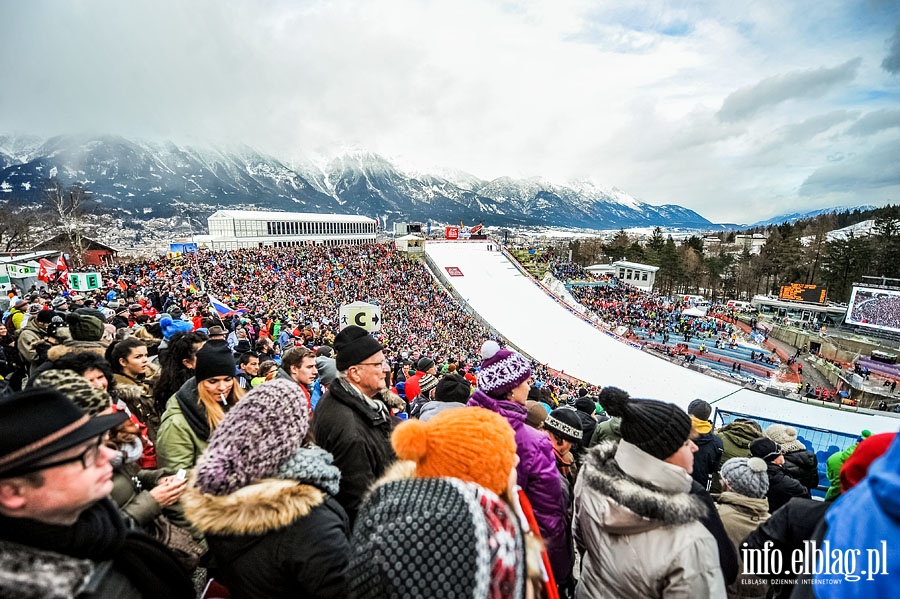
{"points": [[214, 359], [84, 328], [453, 388], [700, 409], [566, 424], [586, 404], [655, 427], [424, 363], [353, 345]]}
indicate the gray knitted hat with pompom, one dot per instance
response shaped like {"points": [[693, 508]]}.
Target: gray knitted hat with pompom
{"points": [[746, 476]]}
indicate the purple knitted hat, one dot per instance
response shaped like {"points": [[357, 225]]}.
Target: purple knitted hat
{"points": [[501, 371], [257, 436]]}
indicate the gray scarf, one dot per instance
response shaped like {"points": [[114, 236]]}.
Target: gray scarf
{"points": [[312, 465]]}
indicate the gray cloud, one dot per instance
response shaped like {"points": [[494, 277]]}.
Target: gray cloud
{"points": [[813, 126], [516, 87], [875, 121], [891, 62], [869, 171], [748, 101]]}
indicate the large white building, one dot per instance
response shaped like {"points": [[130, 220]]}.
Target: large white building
{"points": [[233, 229]]}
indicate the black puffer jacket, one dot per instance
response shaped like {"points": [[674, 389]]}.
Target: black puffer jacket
{"points": [[275, 538], [782, 487], [787, 529], [803, 466], [707, 459]]}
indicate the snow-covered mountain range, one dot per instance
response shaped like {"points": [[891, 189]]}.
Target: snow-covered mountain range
{"points": [[158, 180]]}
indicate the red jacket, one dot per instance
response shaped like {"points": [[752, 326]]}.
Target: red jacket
{"points": [[412, 388]]}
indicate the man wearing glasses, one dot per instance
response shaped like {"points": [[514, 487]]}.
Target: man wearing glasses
{"points": [[60, 534], [352, 421]]}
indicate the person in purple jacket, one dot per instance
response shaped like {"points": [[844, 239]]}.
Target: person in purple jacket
{"points": [[503, 385]]}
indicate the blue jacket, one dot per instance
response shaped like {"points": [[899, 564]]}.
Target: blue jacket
{"points": [[862, 518]]}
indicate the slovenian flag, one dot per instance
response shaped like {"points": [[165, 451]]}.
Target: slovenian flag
{"points": [[223, 309]]}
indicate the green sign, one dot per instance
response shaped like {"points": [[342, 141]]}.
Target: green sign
{"points": [[84, 281], [18, 271]]}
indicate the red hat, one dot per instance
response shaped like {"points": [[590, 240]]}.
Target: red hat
{"points": [[857, 465]]}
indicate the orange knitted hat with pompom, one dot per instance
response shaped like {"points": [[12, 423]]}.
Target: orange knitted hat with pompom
{"points": [[471, 444]]}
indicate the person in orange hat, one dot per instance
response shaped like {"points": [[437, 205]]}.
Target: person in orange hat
{"points": [[474, 445]]}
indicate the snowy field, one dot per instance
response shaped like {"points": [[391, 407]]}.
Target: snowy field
{"points": [[534, 321]]}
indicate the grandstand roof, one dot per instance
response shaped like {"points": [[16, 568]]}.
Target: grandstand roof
{"points": [[304, 216]]}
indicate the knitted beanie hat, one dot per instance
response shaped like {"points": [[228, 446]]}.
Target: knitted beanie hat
{"points": [[472, 444], [259, 434], [501, 371], [214, 359], [566, 424], [586, 404], [746, 476], [353, 345], [169, 326], [785, 436], [765, 448], [656, 427], [700, 409], [453, 387], [857, 465], [463, 539], [84, 328], [92, 400], [424, 363], [427, 383]]}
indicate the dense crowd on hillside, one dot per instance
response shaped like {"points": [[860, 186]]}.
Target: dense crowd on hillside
{"points": [[157, 445]]}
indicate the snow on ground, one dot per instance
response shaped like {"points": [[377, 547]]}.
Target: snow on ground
{"points": [[541, 326]]}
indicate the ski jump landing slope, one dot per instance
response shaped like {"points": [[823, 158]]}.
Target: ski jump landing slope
{"points": [[527, 315]]}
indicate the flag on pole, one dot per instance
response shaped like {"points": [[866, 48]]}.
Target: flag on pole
{"points": [[52, 273], [46, 270], [222, 309], [62, 271]]}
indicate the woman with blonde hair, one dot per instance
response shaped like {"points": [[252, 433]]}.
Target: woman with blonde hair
{"points": [[197, 408]]}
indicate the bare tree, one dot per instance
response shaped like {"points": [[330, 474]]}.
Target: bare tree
{"points": [[67, 207], [15, 230]]}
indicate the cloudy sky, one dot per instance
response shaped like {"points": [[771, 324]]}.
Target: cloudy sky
{"points": [[738, 110]]}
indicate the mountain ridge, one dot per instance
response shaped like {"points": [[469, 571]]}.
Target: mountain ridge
{"points": [[163, 179]]}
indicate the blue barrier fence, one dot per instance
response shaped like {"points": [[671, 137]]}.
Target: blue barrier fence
{"points": [[821, 442]]}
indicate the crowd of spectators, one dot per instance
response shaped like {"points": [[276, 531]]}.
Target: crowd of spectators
{"points": [[159, 443]]}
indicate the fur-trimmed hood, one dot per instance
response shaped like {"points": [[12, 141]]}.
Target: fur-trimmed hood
{"points": [[58, 351], [633, 505], [255, 509], [32, 573]]}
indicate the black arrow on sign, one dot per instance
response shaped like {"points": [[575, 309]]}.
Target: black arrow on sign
{"points": [[374, 319]]}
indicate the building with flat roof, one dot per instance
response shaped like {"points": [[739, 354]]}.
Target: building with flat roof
{"points": [[233, 229], [642, 276]]}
